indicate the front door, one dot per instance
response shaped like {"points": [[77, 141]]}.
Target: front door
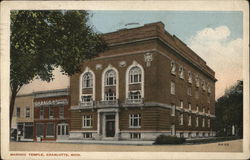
{"points": [[110, 128], [110, 125], [62, 131]]}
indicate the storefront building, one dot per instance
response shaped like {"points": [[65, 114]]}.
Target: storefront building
{"points": [[51, 115], [22, 120]]}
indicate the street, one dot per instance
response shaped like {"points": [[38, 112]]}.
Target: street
{"points": [[227, 146]]}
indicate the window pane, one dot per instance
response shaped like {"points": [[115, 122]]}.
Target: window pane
{"points": [[39, 129], [50, 130]]}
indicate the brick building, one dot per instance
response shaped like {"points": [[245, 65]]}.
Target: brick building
{"points": [[51, 115], [146, 84]]}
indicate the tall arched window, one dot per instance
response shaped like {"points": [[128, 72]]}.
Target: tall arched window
{"points": [[110, 78], [87, 80], [135, 75]]}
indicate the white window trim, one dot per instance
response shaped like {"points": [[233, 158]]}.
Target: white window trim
{"points": [[103, 81], [203, 122], [172, 90], [87, 69], [190, 77], [189, 121], [129, 76], [130, 117], [189, 106], [173, 67], [26, 108], [134, 64], [86, 95], [83, 87], [208, 123], [83, 119], [134, 91], [181, 104], [181, 72], [173, 109], [181, 119], [197, 122]]}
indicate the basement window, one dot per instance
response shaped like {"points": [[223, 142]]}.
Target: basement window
{"points": [[135, 135]]}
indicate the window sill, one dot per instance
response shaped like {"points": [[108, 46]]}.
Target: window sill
{"points": [[135, 82], [87, 87], [134, 127], [87, 127], [113, 85]]}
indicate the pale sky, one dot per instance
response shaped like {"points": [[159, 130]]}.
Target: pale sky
{"points": [[215, 36]]}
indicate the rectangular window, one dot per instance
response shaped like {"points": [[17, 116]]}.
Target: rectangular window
{"points": [[61, 112], [189, 106], [181, 119], [135, 120], [87, 121], [110, 96], [203, 109], [39, 129], [181, 103], [172, 129], [86, 98], [18, 112], [173, 67], [197, 122], [197, 108], [203, 122], [134, 95], [172, 91], [189, 77], [50, 130], [27, 112], [189, 91], [51, 113], [208, 111], [208, 123], [41, 112], [181, 72], [173, 110], [87, 135], [189, 120], [135, 135]]}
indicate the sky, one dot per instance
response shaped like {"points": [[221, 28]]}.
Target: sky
{"points": [[214, 36]]}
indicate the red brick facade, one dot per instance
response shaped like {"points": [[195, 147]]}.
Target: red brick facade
{"points": [[51, 112], [154, 51]]}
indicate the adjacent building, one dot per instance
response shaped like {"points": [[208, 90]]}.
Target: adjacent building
{"points": [[51, 115], [22, 119], [146, 84]]}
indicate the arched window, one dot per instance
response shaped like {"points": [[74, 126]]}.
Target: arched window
{"points": [[110, 78], [135, 75], [87, 80]]}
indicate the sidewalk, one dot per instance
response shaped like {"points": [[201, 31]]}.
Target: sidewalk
{"points": [[120, 142]]}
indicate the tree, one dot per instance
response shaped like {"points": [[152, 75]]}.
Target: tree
{"points": [[229, 111], [44, 40]]}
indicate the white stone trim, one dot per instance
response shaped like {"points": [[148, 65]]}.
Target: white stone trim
{"points": [[134, 64], [117, 80], [87, 69]]}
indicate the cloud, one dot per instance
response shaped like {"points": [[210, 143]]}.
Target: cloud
{"points": [[222, 53]]}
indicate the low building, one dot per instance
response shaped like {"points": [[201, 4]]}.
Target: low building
{"points": [[22, 119], [51, 115], [146, 84]]}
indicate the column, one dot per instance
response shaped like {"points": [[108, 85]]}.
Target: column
{"points": [[98, 124], [117, 130]]}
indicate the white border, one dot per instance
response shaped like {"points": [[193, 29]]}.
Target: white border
{"points": [[205, 5]]}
